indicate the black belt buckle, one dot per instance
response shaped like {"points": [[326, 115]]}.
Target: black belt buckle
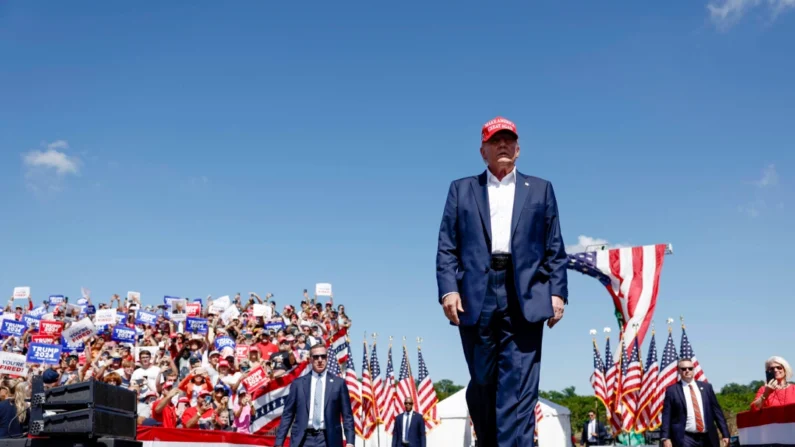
{"points": [[500, 262], [314, 432]]}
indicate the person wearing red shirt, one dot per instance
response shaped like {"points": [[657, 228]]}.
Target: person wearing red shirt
{"points": [[204, 411], [778, 391], [164, 411], [265, 347]]}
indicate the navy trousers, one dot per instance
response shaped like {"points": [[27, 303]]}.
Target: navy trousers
{"points": [[503, 352], [318, 440]]}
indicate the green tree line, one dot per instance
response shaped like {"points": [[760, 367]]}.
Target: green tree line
{"points": [[733, 398]]}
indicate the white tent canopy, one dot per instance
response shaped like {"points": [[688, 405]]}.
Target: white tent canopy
{"points": [[554, 430]]}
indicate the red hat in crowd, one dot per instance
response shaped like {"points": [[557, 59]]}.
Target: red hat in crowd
{"points": [[497, 124], [223, 363]]}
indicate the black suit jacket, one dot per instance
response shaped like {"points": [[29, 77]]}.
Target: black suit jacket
{"points": [[601, 433], [674, 415], [416, 434], [337, 413]]}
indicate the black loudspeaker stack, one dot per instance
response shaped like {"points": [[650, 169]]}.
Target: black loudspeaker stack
{"points": [[87, 414]]}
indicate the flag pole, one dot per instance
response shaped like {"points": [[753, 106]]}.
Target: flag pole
{"points": [[377, 410]]}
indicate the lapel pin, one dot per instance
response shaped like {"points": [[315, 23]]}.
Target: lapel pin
{"points": [[331, 380], [526, 184]]}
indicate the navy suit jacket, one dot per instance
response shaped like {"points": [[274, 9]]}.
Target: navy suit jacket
{"points": [[416, 435], [337, 406], [601, 432], [674, 415], [463, 257]]}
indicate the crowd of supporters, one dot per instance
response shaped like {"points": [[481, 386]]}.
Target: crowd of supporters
{"points": [[182, 378]]}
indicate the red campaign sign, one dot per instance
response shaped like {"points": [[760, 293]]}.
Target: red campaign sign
{"points": [[39, 338], [193, 309], [256, 379], [51, 328], [241, 352]]}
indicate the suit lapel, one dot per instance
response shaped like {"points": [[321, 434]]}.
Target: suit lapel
{"points": [[520, 196], [481, 193], [328, 391], [308, 390]]}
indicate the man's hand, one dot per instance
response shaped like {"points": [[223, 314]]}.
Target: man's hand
{"points": [[667, 443], [725, 441], [452, 306], [557, 307]]}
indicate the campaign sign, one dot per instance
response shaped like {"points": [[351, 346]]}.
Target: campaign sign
{"points": [[31, 321], [196, 325], [105, 317], [168, 300], [44, 353], [21, 293], [121, 318], [38, 312], [56, 299], [144, 317], [193, 309], [274, 326], [43, 339], [224, 342], [78, 346], [79, 331], [123, 334], [51, 328], [241, 352], [13, 364], [90, 309], [11, 328], [256, 379]]}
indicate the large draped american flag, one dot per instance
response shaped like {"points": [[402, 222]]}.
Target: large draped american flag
{"points": [[632, 277]]}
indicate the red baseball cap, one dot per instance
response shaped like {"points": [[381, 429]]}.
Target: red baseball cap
{"points": [[497, 124]]}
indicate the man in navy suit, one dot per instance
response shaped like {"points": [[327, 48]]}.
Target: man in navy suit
{"points": [[501, 272], [409, 427], [316, 403], [690, 412], [593, 431]]}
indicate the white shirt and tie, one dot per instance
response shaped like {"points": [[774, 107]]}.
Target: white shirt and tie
{"points": [[317, 395], [501, 195], [406, 425], [592, 431], [690, 425]]}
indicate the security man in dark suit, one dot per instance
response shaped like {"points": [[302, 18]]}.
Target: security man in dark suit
{"points": [[593, 431], [409, 427]]}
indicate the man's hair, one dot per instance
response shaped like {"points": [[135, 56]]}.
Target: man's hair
{"points": [[317, 346], [685, 359]]}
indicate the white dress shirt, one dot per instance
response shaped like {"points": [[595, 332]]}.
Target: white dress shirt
{"points": [[501, 193], [322, 377], [690, 425], [592, 430], [406, 425]]}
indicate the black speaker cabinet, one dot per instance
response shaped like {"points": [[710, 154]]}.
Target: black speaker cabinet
{"points": [[47, 442], [92, 394], [86, 423]]}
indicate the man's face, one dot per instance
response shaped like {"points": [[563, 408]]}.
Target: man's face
{"points": [[501, 150], [319, 358], [686, 370], [409, 404], [214, 359], [145, 359], [592, 415]]}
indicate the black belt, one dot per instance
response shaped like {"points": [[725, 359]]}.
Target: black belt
{"points": [[314, 432], [500, 261]]}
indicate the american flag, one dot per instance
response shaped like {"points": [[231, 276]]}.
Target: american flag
{"points": [[669, 374], [631, 371], [648, 389], [369, 408], [406, 386], [539, 415], [378, 386], [686, 351], [334, 367], [392, 404], [426, 405], [355, 394], [269, 400], [598, 378], [339, 346], [612, 380], [632, 276]]}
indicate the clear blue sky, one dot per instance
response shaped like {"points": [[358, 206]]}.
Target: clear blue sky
{"points": [[195, 149]]}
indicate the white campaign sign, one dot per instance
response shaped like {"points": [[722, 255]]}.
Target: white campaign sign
{"points": [[105, 317], [21, 293], [260, 309], [230, 313], [220, 305], [79, 331], [13, 364], [323, 289], [134, 296], [179, 310]]}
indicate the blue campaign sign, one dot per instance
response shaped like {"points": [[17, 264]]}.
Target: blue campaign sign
{"points": [[224, 342], [31, 321], [144, 317], [11, 328], [123, 334], [76, 346], [168, 299], [56, 299], [274, 326], [196, 325], [43, 353], [38, 312]]}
